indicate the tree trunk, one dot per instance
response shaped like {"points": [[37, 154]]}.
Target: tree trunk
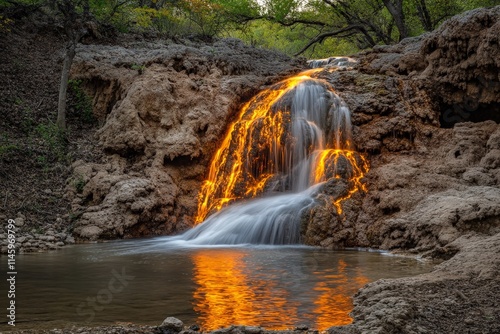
{"points": [[396, 9], [424, 15], [63, 88]]}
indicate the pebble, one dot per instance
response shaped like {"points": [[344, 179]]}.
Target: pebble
{"points": [[61, 235], [19, 221], [448, 302], [253, 329], [47, 191], [51, 245]]}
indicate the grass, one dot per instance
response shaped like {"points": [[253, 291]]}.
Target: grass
{"points": [[79, 184], [82, 103], [54, 140], [6, 146]]}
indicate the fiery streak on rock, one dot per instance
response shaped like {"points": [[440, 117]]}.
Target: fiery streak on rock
{"points": [[259, 145]]}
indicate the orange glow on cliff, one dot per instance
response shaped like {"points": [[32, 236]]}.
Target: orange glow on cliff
{"points": [[327, 163]]}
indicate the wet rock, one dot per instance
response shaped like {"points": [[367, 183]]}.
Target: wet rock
{"points": [[69, 240], [253, 330], [61, 236], [302, 327], [194, 328], [172, 323], [47, 238]]}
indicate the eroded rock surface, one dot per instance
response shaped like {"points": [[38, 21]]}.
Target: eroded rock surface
{"points": [[434, 176], [164, 109]]}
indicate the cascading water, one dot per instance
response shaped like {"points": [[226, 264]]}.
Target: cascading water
{"points": [[288, 142]]}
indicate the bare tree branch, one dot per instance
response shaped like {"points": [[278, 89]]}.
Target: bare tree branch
{"points": [[350, 30]]}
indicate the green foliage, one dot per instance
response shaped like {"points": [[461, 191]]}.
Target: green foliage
{"points": [[6, 146], [161, 20], [54, 141], [28, 119], [138, 68], [286, 25], [5, 22], [79, 184], [82, 102], [272, 35]]}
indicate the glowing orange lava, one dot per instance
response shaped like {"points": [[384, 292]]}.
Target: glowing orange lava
{"points": [[257, 150], [329, 160]]}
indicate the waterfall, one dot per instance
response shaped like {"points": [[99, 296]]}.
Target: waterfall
{"points": [[332, 61], [287, 142]]}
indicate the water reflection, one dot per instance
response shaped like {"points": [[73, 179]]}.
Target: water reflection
{"points": [[275, 287], [228, 294], [334, 301], [241, 287]]}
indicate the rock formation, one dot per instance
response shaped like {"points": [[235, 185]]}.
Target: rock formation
{"points": [[434, 159], [164, 108]]}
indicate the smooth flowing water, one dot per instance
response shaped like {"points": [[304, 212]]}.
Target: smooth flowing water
{"points": [[144, 281], [286, 144]]}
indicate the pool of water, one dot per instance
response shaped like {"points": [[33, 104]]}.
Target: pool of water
{"points": [[144, 281]]}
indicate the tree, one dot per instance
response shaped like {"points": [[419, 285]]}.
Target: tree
{"points": [[364, 22], [74, 27]]}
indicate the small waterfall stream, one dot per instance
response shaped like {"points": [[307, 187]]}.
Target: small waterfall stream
{"points": [[288, 141]]}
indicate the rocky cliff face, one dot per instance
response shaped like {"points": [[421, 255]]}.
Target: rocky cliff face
{"points": [[434, 156], [164, 110]]}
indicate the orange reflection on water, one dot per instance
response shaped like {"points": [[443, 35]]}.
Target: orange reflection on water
{"points": [[226, 295], [232, 291], [334, 302]]}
